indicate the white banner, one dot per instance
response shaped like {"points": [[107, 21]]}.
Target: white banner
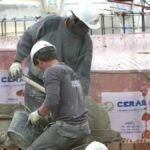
{"points": [[129, 113], [10, 91]]}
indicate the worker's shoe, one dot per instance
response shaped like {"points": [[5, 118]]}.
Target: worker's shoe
{"points": [[4, 140]]}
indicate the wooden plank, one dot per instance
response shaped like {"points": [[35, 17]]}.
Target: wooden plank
{"points": [[5, 117], [127, 146], [1, 148], [12, 148], [113, 146], [142, 146]]}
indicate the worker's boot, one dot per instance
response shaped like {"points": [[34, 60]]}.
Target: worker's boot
{"points": [[5, 140]]}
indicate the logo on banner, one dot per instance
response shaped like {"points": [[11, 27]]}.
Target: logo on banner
{"points": [[8, 80], [131, 109], [11, 91], [133, 104]]}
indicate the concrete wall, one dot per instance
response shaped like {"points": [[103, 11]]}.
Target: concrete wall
{"points": [[20, 8]]}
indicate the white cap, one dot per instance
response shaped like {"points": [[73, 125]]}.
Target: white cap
{"points": [[96, 146], [38, 46], [88, 14]]}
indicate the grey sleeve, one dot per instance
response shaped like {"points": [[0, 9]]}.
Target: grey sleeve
{"points": [[52, 87], [24, 46], [83, 67], [32, 35]]}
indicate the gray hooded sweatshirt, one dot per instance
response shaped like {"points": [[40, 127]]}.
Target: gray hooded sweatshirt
{"points": [[74, 50]]}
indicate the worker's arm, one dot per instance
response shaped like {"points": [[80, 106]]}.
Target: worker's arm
{"points": [[30, 36], [52, 88], [43, 111], [23, 49], [83, 65], [24, 46]]}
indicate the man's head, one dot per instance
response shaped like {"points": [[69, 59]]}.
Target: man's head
{"points": [[41, 53], [77, 26], [84, 17]]}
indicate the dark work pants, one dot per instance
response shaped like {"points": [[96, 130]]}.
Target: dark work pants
{"points": [[33, 97], [59, 137]]}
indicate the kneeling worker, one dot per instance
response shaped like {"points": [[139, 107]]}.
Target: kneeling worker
{"points": [[64, 100]]}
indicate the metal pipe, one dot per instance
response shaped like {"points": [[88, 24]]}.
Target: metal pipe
{"points": [[34, 84], [126, 3]]}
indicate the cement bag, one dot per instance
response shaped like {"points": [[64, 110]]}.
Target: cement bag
{"points": [[100, 123]]}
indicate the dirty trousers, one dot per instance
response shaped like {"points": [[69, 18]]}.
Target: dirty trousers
{"points": [[58, 137]]}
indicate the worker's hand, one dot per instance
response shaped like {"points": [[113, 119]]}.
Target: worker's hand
{"points": [[15, 70], [34, 117]]}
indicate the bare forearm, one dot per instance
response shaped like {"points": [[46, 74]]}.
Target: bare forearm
{"points": [[43, 111]]}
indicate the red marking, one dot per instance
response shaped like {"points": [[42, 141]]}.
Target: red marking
{"points": [[146, 134], [20, 93], [146, 116]]}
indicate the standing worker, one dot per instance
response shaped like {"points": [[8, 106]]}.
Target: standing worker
{"points": [[73, 46], [64, 100]]}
